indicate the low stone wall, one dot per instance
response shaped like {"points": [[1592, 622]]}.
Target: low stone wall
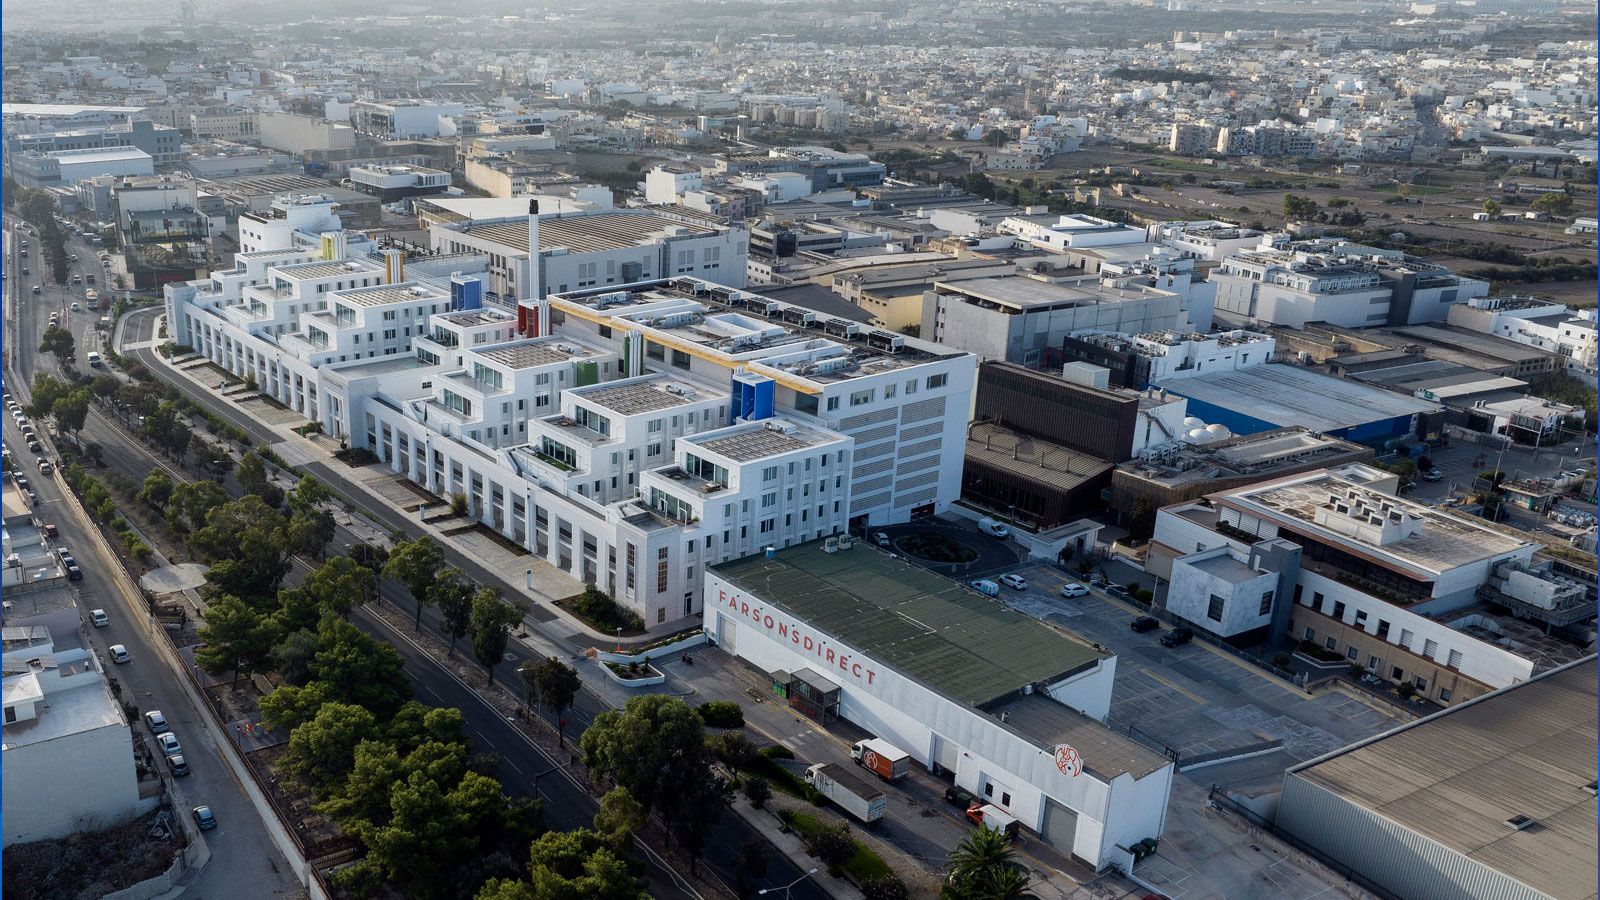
{"points": [[693, 640]]}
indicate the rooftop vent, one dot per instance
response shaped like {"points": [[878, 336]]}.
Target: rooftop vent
{"points": [[1520, 822]]}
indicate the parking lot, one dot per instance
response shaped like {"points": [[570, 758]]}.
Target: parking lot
{"points": [[1197, 700]]}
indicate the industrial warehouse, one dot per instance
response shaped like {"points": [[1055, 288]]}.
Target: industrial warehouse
{"points": [[1009, 706]]}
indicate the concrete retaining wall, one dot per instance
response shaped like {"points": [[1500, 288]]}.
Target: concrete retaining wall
{"points": [[693, 640]]}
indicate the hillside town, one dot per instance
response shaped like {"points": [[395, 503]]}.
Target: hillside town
{"points": [[1068, 451]]}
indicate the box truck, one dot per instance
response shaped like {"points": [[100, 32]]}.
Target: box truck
{"points": [[888, 761], [848, 792]]}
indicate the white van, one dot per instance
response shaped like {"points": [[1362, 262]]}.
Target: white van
{"points": [[993, 528], [94, 359], [986, 587]]}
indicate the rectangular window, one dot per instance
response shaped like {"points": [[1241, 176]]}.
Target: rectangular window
{"points": [[1332, 643], [1383, 628], [1444, 695], [1338, 610], [1430, 649], [1372, 663], [661, 577], [1266, 603], [1455, 659], [937, 381], [1352, 653], [1316, 599], [860, 398], [833, 403], [1406, 638], [1397, 673], [1214, 610], [1311, 634], [1422, 684]]}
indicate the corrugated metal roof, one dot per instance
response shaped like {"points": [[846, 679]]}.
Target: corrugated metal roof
{"points": [[1455, 778], [937, 631]]}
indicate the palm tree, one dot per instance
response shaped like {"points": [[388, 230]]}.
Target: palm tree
{"points": [[981, 853], [1010, 883]]}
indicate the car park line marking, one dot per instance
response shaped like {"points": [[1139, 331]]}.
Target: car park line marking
{"points": [[1190, 694]]}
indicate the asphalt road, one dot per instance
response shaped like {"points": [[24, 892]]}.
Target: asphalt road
{"points": [[242, 852], [526, 763]]}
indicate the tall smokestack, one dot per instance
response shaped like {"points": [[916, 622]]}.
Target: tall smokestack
{"points": [[533, 310]]}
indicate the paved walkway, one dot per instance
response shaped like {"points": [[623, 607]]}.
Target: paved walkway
{"points": [[540, 583]]}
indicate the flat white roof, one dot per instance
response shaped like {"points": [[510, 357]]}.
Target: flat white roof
{"points": [[1284, 395]]}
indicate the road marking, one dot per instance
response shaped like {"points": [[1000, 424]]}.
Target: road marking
{"points": [[1190, 694]]}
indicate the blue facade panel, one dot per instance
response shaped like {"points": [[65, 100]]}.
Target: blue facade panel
{"points": [[466, 292], [753, 396]]}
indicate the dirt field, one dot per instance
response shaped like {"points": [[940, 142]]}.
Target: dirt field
{"points": [[90, 864]]}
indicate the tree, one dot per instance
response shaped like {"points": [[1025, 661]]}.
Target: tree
{"points": [[1491, 209], [291, 658], [212, 459], [251, 532], [415, 565], [1554, 204], [620, 818], [157, 489], [1142, 518], [453, 594], [321, 750], [58, 340], [46, 391], [253, 477], [190, 503], [984, 867], [558, 685], [750, 866], [832, 845], [565, 865], [340, 585], [757, 790], [70, 412], [1297, 207], [655, 747], [358, 669], [288, 707], [311, 525], [996, 137], [237, 638], [492, 619], [372, 556]]}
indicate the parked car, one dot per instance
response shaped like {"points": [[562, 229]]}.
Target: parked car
{"points": [[22, 481], [880, 538], [1015, 582], [65, 554], [177, 765], [1143, 624], [45, 468], [1117, 590], [119, 654], [1073, 589], [99, 618], [156, 721], [35, 447], [1433, 475], [1176, 636], [204, 818], [169, 743], [51, 531], [73, 572]]}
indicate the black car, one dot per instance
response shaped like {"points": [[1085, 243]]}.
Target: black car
{"points": [[1177, 636], [1144, 623]]}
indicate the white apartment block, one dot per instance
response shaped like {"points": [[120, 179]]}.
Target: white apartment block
{"points": [[1332, 557], [589, 249], [1339, 283], [1536, 323], [664, 186], [396, 119], [67, 760]]}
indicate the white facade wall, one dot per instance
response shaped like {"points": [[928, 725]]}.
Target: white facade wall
{"points": [[97, 790], [915, 717], [1192, 587], [1480, 660], [1245, 299]]}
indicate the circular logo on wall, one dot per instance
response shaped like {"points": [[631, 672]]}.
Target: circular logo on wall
{"points": [[1068, 761]]}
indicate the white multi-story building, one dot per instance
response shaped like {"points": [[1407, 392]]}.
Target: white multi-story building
{"points": [[1210, 240], [1070, 231], [1339, 283], [1537, 323], [67, 756], [665, 185], [1334, 559], [587, 249], [632, 437], [395, 119]]}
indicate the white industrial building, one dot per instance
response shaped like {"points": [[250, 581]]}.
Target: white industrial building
{"points": [[1339, 283], [1537, 323], [67, 760], [1334, 558], [1018, 318], [1070, 231], [1209, 240], [398, 119], [586, 249], [1490, 800], [629, 436], [1010, 709], [66, 167]]}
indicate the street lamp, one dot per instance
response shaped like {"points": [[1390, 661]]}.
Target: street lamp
{"points": [[786, 888]]}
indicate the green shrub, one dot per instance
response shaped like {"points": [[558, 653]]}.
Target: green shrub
{"points": [[721, 714], [757, 790], [597, 607], [776, 751], [1281, 659]]}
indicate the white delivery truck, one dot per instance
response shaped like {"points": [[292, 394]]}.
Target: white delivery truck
{"points": [[848, 792], [888, 761]]}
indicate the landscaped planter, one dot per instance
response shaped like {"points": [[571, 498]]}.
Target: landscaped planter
{"points": [[1321, 663], [647, 677], [678, 646]]}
